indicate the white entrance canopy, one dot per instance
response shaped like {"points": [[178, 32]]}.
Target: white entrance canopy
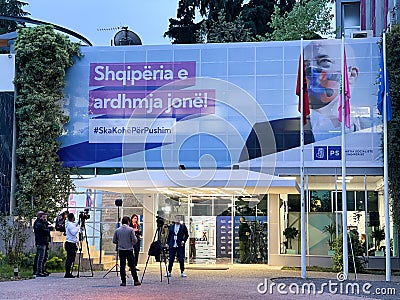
{"points": [[192, 182]]}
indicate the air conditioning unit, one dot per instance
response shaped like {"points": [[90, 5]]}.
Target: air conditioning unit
{"points": [[362, 34]]}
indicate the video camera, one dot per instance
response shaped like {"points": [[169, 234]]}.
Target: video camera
{"points": [[83, 216], [160, 221]]}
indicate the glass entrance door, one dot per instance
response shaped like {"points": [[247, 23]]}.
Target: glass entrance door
{"points": [[251, 244], [211, 240]]}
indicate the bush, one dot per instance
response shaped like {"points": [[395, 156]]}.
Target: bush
{"points": [[358, 251], [56, 260], [55, 263], [27, 260], [2, 258], [13, 233]]}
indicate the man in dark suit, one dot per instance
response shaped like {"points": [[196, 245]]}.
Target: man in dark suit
{"points": [[176, 239]]}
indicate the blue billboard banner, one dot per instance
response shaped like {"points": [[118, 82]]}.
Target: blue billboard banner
{"points": [[217, 105]]}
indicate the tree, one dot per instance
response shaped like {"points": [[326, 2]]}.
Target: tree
{"points": [[224, 31], [12, 8], [393, 61], [353, 246], [308, 19], [182, 30], [331, 229], [255, 15], [42, 56], [14, 234]]}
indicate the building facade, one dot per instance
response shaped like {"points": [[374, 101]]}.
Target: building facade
{"points": [[361, 18], [229, 107], [226, 107]]}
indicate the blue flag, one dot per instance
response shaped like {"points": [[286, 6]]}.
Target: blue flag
{"points": [[381, 91]]}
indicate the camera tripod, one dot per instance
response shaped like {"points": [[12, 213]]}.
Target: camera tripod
{"points": [[83, 236], [118, 203], [162, 254]]}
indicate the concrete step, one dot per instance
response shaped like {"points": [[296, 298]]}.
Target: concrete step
{"points": [[57, 237], [85, 264], [104, 259], [93, 252], [108, 265]]}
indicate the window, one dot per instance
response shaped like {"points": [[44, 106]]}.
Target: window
{"points": [[320, 201], [372, 201], [294, 203], [350, 199], [108, 171], [351, 17], [360, 201]]}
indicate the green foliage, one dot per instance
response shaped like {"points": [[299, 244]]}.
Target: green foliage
{"points": [[14, 234], [55, 263], [308, 19], [393, 63], [331, 229], [357, 248], [61, 254], [290, 233], [182, 29], [13, 8], [257, 14], [224, 31], [253, 15], [7, 273], [42, 57], [308, 268]]}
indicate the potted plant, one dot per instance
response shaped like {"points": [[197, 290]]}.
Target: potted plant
{"points": [[290, 233], [378, 235], [331, 229]]}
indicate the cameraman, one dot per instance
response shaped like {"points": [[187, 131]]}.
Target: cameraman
{"points": [[71, 231]]}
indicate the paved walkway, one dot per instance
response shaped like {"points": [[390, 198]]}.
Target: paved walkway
{"points": [[203, 282]]}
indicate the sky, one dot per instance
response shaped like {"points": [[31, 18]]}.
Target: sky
{"points": [[147, 18]]}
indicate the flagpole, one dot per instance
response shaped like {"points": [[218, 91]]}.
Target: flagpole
{"points": [[344, 200], [302, 200], [385, 165]]}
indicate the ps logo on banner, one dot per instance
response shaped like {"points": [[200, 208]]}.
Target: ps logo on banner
{"points": [[327, 153]]}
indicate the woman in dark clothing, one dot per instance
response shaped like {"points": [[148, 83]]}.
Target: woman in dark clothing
{"points": [[138, 232]]}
